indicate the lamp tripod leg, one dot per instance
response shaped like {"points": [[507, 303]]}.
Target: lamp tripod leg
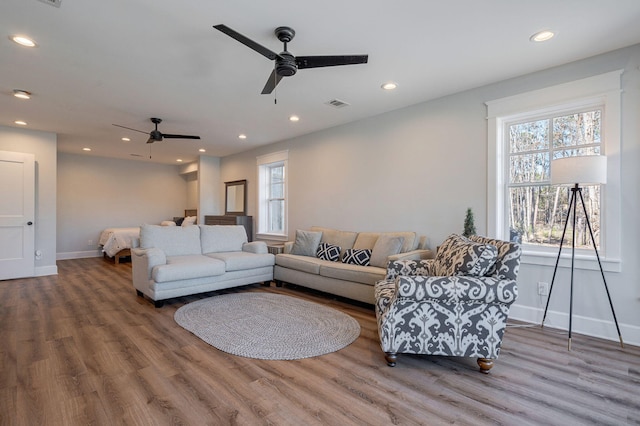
{"points": [[573, 205], [593, 241]]}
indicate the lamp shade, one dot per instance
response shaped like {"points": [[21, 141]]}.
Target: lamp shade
{"points": [[584, 170]]}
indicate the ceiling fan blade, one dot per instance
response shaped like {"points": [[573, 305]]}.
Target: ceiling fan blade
{"points": [[247, 42], [151, 139], [330, 61], [165, 135], [272, 82], [129, 128]]}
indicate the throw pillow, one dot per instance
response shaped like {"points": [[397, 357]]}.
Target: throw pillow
{"points": [[328, 252], [306, 243], [460, 256], [360, 257], [188, 221], [385, 246]]}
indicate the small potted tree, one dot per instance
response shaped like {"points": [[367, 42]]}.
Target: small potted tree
{"points": [[469, 226]]}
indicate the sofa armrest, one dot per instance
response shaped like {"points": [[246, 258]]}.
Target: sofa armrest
{"points": [[144, 260], [408, 267], [457, 289], [257, 247]]}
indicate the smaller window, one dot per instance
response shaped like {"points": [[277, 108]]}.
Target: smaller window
{"points": [[272, 194]]}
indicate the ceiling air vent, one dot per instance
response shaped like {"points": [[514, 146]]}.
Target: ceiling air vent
{"points": [[337, 103], [55, 3]]}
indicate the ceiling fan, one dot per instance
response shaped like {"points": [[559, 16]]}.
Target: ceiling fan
{"points": [[286, 64], [156, 135]]}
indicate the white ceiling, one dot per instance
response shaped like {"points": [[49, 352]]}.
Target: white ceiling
{"points": [[124, 61]]}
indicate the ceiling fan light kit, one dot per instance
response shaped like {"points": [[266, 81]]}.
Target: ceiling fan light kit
{"points": [[286, 64]]}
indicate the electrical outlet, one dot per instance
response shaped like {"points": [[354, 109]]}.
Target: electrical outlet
{"points": [[543, 288], [90, 243]]}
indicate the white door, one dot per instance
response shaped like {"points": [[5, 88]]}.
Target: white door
{"points": [[17, 211]]}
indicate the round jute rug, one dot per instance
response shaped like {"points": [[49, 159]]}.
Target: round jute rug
{"points": [[268, 326]]}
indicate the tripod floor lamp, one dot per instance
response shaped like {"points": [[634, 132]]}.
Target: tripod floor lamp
{"points": [[576, 171]]}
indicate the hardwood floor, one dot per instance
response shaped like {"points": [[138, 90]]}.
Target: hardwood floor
{"points": [[82, 348]]}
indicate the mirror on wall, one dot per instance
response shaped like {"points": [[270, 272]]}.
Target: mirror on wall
{"points": [[236, 198]]}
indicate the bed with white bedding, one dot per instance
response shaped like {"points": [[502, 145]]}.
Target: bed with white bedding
{"points": [[118, 242]]}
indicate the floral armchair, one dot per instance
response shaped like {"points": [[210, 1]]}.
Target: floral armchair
{"points": [[456, 304]]}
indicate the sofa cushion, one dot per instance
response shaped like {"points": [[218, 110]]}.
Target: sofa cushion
{"points": [[355, 273], [241, 260], [342, 239], [187, 267], [222, 238], [508, 263], [410, 242], [328, 252], [307, 264], [366, 240], [306, 243], [357, 257], [386, 245], [173, 240], [458, 255]]}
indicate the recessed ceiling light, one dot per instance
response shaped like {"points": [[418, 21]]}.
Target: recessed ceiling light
{"points": [[86, 149], [179, 160], [389, 85], [126, 139], [543, 35], [242, 136], [202, 150], [23, 41], [22, 94], [20, 122], [294, 118]]}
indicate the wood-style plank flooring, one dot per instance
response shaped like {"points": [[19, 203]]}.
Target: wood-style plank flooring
{"points": [[81, 348]]}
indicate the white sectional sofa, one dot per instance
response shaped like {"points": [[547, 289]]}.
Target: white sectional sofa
{"points": [[174, 261], [304, 261]]}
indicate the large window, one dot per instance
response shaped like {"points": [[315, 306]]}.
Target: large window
{"points": [[537, 210], [272, 195], [526, 133]]}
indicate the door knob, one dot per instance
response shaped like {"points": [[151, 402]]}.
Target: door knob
{"points": [[29, 223]]}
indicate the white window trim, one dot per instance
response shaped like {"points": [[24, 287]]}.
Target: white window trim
{"points": [[603, 89], [275, 157]]}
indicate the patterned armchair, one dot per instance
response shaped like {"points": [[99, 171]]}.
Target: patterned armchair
{"points": [[456, 304]]}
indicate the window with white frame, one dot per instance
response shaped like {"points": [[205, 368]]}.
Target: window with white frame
{"points": [[528, 131], [272, 195], [536, 209]]}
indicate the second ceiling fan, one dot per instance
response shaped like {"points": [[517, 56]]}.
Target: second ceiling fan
{"points": [[286, 64], [156, 135]]}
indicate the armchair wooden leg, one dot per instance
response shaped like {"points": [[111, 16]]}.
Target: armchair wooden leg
{"points": [[485, 365], [391, 358]]}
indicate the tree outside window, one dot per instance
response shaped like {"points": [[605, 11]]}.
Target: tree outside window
{"points": [[538, 210]]}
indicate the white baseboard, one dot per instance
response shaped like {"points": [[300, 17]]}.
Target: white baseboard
{"points": [[43, 271], [78, 254], [580, 324]]}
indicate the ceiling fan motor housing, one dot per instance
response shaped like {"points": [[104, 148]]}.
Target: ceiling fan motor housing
{"points": [[286, 67]]}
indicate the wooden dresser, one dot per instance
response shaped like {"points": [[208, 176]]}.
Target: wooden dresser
{"points": [[246, 221]]}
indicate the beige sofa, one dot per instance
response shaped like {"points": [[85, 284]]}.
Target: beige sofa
{"points": [[348, 280], [175, 261]]}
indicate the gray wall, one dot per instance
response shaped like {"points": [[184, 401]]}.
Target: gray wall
{"points": [[419, 168], [97, 193]]}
